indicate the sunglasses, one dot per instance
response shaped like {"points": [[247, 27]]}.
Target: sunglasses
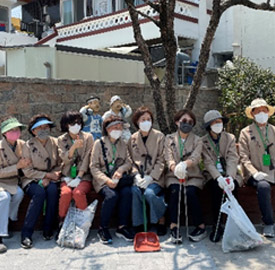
{"points": [[187, 121], [77, 121]]}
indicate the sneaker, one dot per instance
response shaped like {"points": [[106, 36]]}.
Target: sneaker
{"points": [[161, 229], [47, 235], [218, 235], [26, 243], [125, 233], [197, 235], [175, 236], [268, 231], [3, 247], [104, 236]]}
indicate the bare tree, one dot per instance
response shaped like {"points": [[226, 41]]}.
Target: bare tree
{"points": [[165, 22]]}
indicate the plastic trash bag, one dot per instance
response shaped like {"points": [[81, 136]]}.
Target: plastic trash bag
{"points": [[239, 233], [76, 226]]}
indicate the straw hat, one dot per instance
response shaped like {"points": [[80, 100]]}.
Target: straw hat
{"points": [[256, 103]]}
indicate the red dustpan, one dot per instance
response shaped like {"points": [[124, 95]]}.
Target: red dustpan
{"points": [[146, 241]]}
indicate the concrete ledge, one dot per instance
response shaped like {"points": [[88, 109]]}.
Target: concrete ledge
{"points": [[246, 195]]}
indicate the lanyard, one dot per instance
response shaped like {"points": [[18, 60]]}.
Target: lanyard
{"points": [[261, 136], [114, 152], [181, 147], [215, 148]]}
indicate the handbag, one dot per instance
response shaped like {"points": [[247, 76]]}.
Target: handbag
{"points": [[126, 180]]}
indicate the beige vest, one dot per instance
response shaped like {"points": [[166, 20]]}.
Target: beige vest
{"points": [[192, 151], [8, 172], [97, 165], [252, 150], [44, 159], [150, 155], [228, 150], [82, 155]]}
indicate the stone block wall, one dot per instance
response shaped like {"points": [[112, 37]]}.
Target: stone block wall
{"points": [[24, 98]]}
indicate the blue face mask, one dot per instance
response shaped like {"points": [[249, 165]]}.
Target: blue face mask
{"points": [[185, 127]]}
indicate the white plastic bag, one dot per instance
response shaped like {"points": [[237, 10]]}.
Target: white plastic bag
{"points": [[239, 233], [76, 226]]}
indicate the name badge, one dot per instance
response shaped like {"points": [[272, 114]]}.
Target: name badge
{"points": [[266, 160], [219, 166]]}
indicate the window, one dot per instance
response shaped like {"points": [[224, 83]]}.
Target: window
{"points": [[89, 8], [4, 19], [67, 12]]}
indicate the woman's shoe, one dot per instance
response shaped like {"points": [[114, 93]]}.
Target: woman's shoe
{"points": [[26, 243]]}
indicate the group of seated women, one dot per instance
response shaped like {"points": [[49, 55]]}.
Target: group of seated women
{"points": [[53, 172]]}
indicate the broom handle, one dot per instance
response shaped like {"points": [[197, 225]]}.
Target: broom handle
{"points": [[143, 201]]}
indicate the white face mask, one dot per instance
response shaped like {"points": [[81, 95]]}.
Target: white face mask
{"points": [[74, 129], [145, 126], [261, 117], [115, 134], [217, 128]]}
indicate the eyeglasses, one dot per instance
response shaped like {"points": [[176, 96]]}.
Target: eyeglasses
{"points": [[187, 121]]}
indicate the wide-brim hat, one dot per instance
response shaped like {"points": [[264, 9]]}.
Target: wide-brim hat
{"points": [[256, 103], [10, 124], [211, 116]]}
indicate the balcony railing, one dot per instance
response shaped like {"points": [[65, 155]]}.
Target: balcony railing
{"points": [[187, 8]]}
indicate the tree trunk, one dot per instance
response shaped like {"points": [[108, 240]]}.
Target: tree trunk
{"points": [[170, 48], [149, 70], [203, 58]]}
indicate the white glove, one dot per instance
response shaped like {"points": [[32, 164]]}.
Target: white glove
{"points": [[137, 179], [180, 170], [115, 180], [75, 182], [83, 110], [146, 181], [260, 176], [67, 179], [231, 184], [222, 182]]}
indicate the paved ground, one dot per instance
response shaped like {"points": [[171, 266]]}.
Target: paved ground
{"points": [[121, 255]]}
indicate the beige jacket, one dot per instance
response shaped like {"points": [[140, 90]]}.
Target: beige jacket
{"points": [[192, 151], [97, 165], [155, 148], [252, 150], [228, 150], [44, 159], [82, 157], [8, 159]]}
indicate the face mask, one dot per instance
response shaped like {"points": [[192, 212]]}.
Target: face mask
{"points": [[185, 127], [43, 134], [217, 128], [13, 135], [74, 129], [261, 117], [115, 134], [145, 126]]}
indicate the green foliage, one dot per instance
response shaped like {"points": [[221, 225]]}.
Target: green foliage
{"points": [[239, 85]]}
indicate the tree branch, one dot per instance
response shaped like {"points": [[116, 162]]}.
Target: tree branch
{"points": [[247, 3], [148, 69], [143, 14], [154, 6]]}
